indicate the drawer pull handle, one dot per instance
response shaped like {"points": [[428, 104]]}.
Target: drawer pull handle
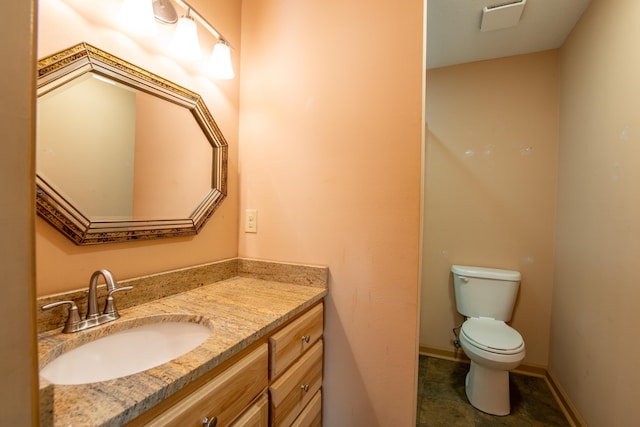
{"points": [[304, 387], [206, 422], [306, 338]]}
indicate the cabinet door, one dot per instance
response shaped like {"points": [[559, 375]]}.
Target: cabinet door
{"points": [[224, 397], [311, 415], [256, 416], [293, 340], [293, 390]]}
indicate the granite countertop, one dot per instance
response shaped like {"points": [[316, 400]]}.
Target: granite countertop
{"points": [[239, 310]]}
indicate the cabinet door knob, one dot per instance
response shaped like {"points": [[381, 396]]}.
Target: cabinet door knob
{"points": [[306, 338], [206, 422], [304, 387]]}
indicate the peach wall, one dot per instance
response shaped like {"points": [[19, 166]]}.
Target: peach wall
{"points": [[61, 265], [18, 361], [173, 162], [491, 188], [594, 346], [330, 156]]}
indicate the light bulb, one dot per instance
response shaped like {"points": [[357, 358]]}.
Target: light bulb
{"points": [[220, 64], [136, 16], [185, 43]]}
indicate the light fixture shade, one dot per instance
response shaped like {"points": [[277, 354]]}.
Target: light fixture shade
{"points": [[136, 16], [185, 43], [220, 65]]}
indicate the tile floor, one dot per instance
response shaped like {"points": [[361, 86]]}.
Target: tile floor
{"points": [[442, 401]]}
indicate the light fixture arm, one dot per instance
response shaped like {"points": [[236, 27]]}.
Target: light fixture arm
{"points": [[195, 14]]}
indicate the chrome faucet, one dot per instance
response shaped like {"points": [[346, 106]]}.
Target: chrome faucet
{"points": [[92, 301], [93, 318]]}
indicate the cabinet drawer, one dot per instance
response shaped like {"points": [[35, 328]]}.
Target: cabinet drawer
{"points": [[224, 397], [288, 344], [311, 415], [256, 416], [295, 388]]}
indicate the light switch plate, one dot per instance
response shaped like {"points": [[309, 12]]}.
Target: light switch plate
{"points": [[251, 221]]}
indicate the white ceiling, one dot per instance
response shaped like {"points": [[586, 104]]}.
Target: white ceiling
{"points": [[454, 37]]}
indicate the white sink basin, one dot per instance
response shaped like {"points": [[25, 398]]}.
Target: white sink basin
{"points": [[126, 352]]}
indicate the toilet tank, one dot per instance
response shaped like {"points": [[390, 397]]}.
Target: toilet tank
{"points": [[485, 292]]}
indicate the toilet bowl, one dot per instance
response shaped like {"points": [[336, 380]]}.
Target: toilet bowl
{"points": [[494, 349], [486, 297]]}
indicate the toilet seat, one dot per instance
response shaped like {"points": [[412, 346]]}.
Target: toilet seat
{"points": [[492, 335]]}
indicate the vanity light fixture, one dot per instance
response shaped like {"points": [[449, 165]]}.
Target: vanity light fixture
{"points": [[164, 11], [220, 65], [137, 17], [185, 43]]}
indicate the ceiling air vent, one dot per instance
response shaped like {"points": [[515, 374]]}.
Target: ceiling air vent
{"points": [[502, 16]]}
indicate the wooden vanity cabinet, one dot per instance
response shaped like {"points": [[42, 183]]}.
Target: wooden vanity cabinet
{"points": [[296, 387], [223, 398], [295, 360], [294, 339], [274, 384], [256, 416], [311, 415]]}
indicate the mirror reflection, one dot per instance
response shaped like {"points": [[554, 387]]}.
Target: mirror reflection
{"points": [[130, 155], [121, 153]]}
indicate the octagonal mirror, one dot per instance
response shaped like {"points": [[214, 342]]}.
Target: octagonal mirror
{"points": [[123, 154]]}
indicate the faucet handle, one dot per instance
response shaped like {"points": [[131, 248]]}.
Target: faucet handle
{"points": [[110, 304], [73, 320]]}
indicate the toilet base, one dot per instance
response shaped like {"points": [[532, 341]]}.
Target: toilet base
{"points": [[488, 389]]}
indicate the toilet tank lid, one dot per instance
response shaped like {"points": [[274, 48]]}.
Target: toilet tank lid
{"points": [[485, 273]]}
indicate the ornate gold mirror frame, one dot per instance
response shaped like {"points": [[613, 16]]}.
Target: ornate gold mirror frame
{"points": [[57, 209]]}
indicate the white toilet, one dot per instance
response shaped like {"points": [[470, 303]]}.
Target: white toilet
{"points": [[486, 296]]}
